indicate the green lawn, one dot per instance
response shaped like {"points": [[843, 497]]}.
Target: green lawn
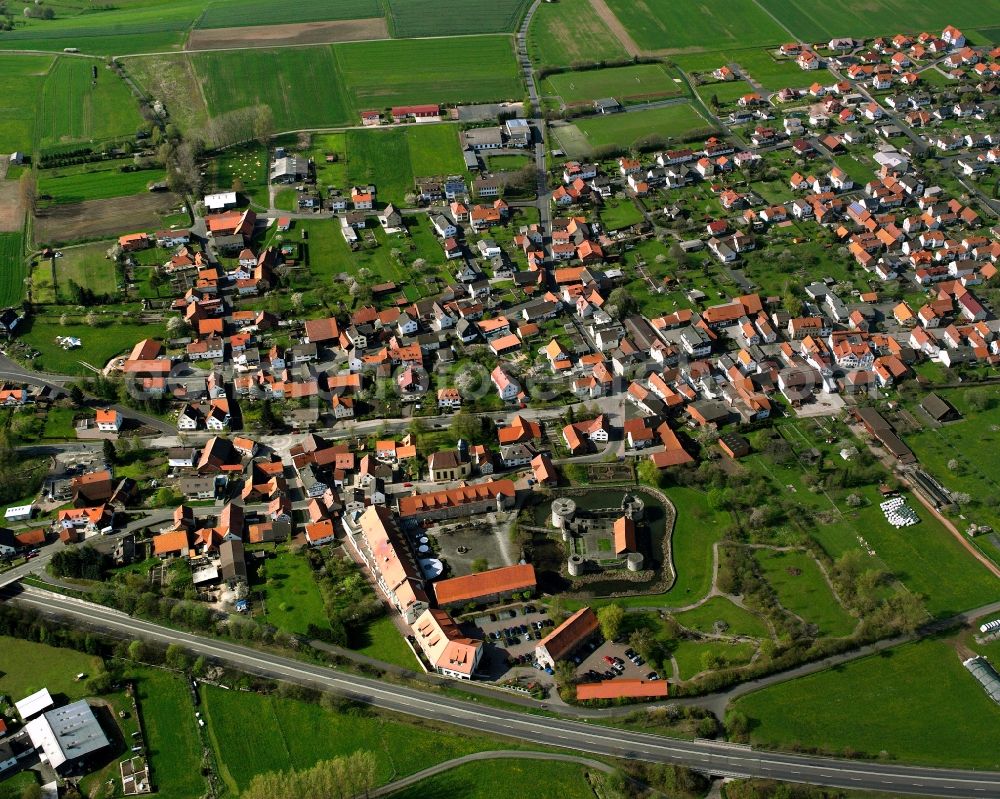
{"points": [[171, 734], [13, 269], [687, 24], [95, 181], [88, 266], [27, 667], [75, 106], [59, 423], [738, 620], [802, 589], [386, 643], [571, 32], [14, 787], [292, 600], [818, 22], [454, 17], [616, 214], [460, 70], [759, 63], [391, 159], [100, 344], [624, 130], [508, 163], [504, 779], [917, 703], [292, 734], [637, 82], [248, 165], [22, 81], [691, 656]]}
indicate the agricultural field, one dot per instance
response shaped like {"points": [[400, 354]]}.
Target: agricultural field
{"points": [[624, 130], [99, 180], [13, 270], [77, 107], [504, 779], [738, 621], [820, 22], [172, 80], [100, 344], [232, 13], [303, 86], [391, 159], [22, 81], [635, 83], [916, 703], [412, 18], [802, 589], [462, 70], [102, 219], [571, 32], [399, 748], [770, 72], [88, 266], [679, 25]]}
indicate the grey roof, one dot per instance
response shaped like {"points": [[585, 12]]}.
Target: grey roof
{"points": [[983, 671], [67, 734]]}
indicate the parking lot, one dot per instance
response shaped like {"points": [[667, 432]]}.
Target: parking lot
{"points": [[514, 631], [594, 665]]}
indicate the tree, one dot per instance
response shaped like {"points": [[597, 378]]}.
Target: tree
{"points": [[177, 658], [137, 651], [480, 565], [110, 453], [175, 324], [296, 300], [76, 395], [263, 124], [610, 617], [622, 302]]}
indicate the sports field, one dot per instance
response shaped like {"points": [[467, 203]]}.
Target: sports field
{"points": [[571, 32], [624, 130], [917, 703], [454, 17], [679, 25], [12, 268], [22, 81], [391, 159], [638, 82], [821, 21], [469, 69], [236, 13]]}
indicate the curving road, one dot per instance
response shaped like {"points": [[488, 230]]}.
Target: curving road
{"points": [[713, 757]]}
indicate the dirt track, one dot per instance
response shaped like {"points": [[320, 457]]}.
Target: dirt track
{"points": [[347, 30], [616, 27], [103, 218]]}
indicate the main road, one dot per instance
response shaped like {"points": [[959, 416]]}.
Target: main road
{"points": [[712, 757]]}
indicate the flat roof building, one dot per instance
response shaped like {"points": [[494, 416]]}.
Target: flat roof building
{"points": [[32, 705], [68, 734]]}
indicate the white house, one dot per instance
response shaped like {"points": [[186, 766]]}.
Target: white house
{"points": [[109, 420]]}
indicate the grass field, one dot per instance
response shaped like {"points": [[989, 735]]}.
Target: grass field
{"points": [[173, 81], [802, 589], [302, 85], [454, 17], [100, 344], [571, 32], [233, 13], [87, 266], [96, 181], [504, 779], [468, 69], [616, 214], [819, 22], [391, 159], [770, 72], [13, 269], [738, 620], [76, 107], [22, 81], [171, 734], [28, 667], [292, 734], [16, 786], [386, 644], [687, 24], [637, 82], [508, 163], [691, 656], [292, 600], [916, 702], [626, 129]]}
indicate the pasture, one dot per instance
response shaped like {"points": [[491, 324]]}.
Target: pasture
{"points": [[571, 32], [87, 266], [916, 703], [99, 180], [624, 130], [410, 18], [633, 83], [679, 25], [303, 86], [820, 22], [29, 667], [22, 81], [75, 106], [391, 159], [234, 13], [462, 70], [100, 344], [13, 269]]}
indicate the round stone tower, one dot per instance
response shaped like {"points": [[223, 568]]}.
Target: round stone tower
{"points": [[563, 512], [575, 565]]}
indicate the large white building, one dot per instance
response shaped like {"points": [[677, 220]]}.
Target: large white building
{"points": [[67, 734]]}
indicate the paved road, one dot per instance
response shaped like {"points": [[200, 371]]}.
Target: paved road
{"points": [[712, 757], [537, 121]]}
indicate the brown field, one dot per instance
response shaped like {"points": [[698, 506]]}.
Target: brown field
{"points": [[11, 214], [345, 30], [616, 27], [96, 219]]}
